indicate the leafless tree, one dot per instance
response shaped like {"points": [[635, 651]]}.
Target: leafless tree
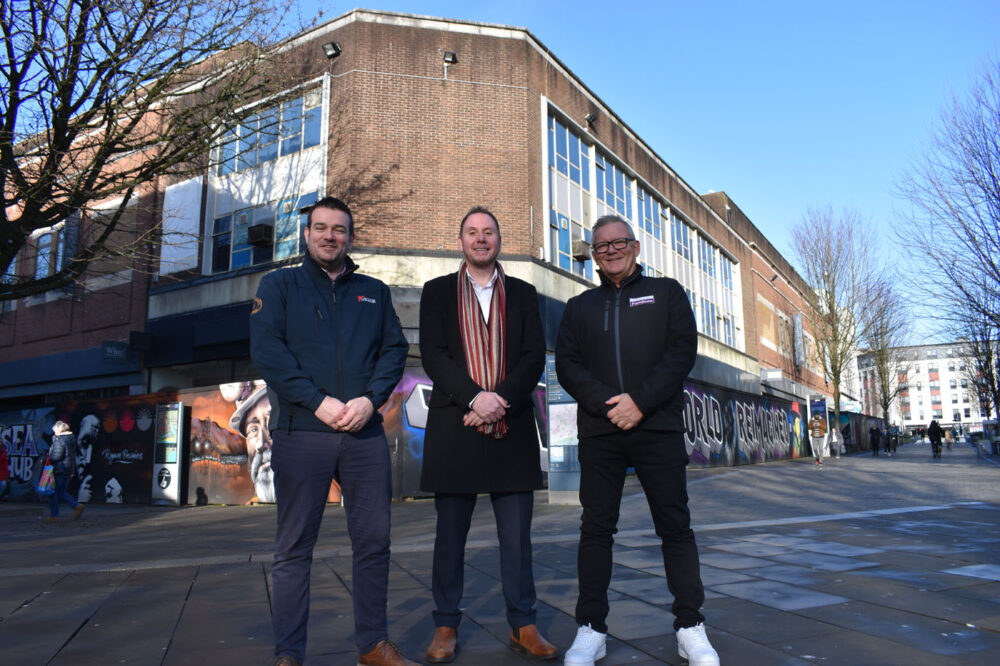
{"points": [[981, 339], [953, 226], [99, 98], [887, 327], [833, 258]]}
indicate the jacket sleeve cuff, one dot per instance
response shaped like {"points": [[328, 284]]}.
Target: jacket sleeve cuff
{"points": [[316, 401]]}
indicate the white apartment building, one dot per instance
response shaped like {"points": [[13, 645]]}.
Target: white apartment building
{"points": [[935, 384]]}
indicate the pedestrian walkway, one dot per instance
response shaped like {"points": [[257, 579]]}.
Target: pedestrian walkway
{"points": [[863, 561]]}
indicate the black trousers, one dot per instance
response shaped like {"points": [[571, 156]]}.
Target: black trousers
{"points": [[513, 516], [660, 462]]}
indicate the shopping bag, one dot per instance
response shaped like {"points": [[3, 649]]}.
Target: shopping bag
{"points": [[46, 480]]}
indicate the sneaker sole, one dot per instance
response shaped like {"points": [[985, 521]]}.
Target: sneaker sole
{"points": [[601, 654]]}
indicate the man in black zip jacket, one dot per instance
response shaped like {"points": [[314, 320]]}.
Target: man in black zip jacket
{"points": [[329, 345], [623, 351]]}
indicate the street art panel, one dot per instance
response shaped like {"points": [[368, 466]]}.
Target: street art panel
{"points": [[724, 428], [26, 435]]}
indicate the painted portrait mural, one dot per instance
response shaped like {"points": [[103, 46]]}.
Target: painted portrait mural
{"points": [[114, 440]]}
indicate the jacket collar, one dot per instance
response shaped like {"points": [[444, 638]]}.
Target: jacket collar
{"points": [[636, 274], [317, 273]]}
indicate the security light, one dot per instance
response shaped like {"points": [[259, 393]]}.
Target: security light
{"points": [[331, 49]]}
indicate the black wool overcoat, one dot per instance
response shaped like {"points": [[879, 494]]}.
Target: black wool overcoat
{"points": [[457, 458]]}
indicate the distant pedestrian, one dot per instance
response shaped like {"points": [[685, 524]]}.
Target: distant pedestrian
{"points": [[887, 442], [836, 442], [62, 455], [817, 437], [894, 436], [934, 433], [875, 436]]}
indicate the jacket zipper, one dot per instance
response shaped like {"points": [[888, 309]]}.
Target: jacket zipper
{"points": [[340, 360], [618, 347]]}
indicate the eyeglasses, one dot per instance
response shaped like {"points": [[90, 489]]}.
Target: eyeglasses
{"points": [[618, 244]]}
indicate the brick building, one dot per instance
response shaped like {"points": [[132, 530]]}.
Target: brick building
{"points": [[413, 120]]}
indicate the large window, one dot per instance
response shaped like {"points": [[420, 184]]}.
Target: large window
{"points": [[252, 236], [569, 196], [275, 131]]}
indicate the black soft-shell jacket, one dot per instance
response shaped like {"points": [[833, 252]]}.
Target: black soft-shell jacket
{"points": [[62, 454], [310, 338], [639, 339]]}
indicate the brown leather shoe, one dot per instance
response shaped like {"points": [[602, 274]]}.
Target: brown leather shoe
{"points": [[532, 644], [77, 512], [285, 660], [442, 648], [385, 653]]}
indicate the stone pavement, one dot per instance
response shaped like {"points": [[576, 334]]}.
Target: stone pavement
{"points": [[864, 561]]}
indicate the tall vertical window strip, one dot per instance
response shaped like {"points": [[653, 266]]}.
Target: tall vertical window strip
{"points": [[569, 197], [276, 131], [651, 216], [614, 188], [728, 300], [683, 241]]}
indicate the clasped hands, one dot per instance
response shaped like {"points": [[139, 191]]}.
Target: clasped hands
{"points": [[624, 414], [488, 407], [348, 416]]}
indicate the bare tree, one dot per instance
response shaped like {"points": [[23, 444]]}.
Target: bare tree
{"points": [[981, 338], [953, 229], [99, 98], [887, 326], [832, 255]]}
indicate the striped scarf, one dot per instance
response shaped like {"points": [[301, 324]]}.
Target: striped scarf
{"points": [[484, 342]]}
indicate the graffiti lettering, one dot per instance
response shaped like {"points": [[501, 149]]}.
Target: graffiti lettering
{"points": [[126, 457], [19, 440], [702, 423], [21, 467]]}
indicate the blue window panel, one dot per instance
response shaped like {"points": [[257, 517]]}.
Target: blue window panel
{"points": [[561, 165], [313, 126], [585, 171], [220, 252], [561, 148], [552, 139], [291, 118], [574, 174], [574, 150], [291, 145], [553, 219]]}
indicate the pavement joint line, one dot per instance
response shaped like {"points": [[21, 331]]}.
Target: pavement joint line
{"points": [[345, 551]]}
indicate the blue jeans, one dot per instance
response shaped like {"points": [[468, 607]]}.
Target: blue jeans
{"points": [[61, 483], [660, 462], [304, 463]]}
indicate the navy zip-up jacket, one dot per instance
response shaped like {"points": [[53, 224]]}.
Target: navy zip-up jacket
{"points": [[310, 338], [641, 339]]}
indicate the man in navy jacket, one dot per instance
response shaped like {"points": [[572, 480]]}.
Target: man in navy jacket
{"points": [[329, 345], [623, 351]]}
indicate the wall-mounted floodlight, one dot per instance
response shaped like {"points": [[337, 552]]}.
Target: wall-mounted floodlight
{"points": [[331, 49], [591, 118], [450, 57]]}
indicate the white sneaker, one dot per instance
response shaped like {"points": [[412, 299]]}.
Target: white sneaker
{"points": [[693, 645], [588, 647]]}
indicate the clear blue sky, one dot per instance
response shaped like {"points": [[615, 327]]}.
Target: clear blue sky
{"points": [[784, 105]]}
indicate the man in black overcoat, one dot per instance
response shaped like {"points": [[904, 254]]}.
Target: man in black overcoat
{"points": [[483, 348]]}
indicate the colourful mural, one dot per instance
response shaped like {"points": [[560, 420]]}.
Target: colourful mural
{"points": [[724, 428]]}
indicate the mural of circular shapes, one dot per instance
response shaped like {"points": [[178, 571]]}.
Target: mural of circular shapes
{"points": [[126, 421], [144, 418], [110, 422]]}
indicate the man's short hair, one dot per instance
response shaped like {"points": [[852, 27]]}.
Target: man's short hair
{"points": [[478, 209], [611, 219], [333, 203]]}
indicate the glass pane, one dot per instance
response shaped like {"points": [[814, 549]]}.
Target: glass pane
{"points": [[220, 252], [574, 150], [291, 117], [561, 140], [291, 145], [313, 126]]}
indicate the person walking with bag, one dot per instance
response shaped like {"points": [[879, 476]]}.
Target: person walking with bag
{"points": [[62, 455], [817, 437]]}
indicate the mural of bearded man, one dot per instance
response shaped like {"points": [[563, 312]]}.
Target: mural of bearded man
{"points": [[253, 411]]}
